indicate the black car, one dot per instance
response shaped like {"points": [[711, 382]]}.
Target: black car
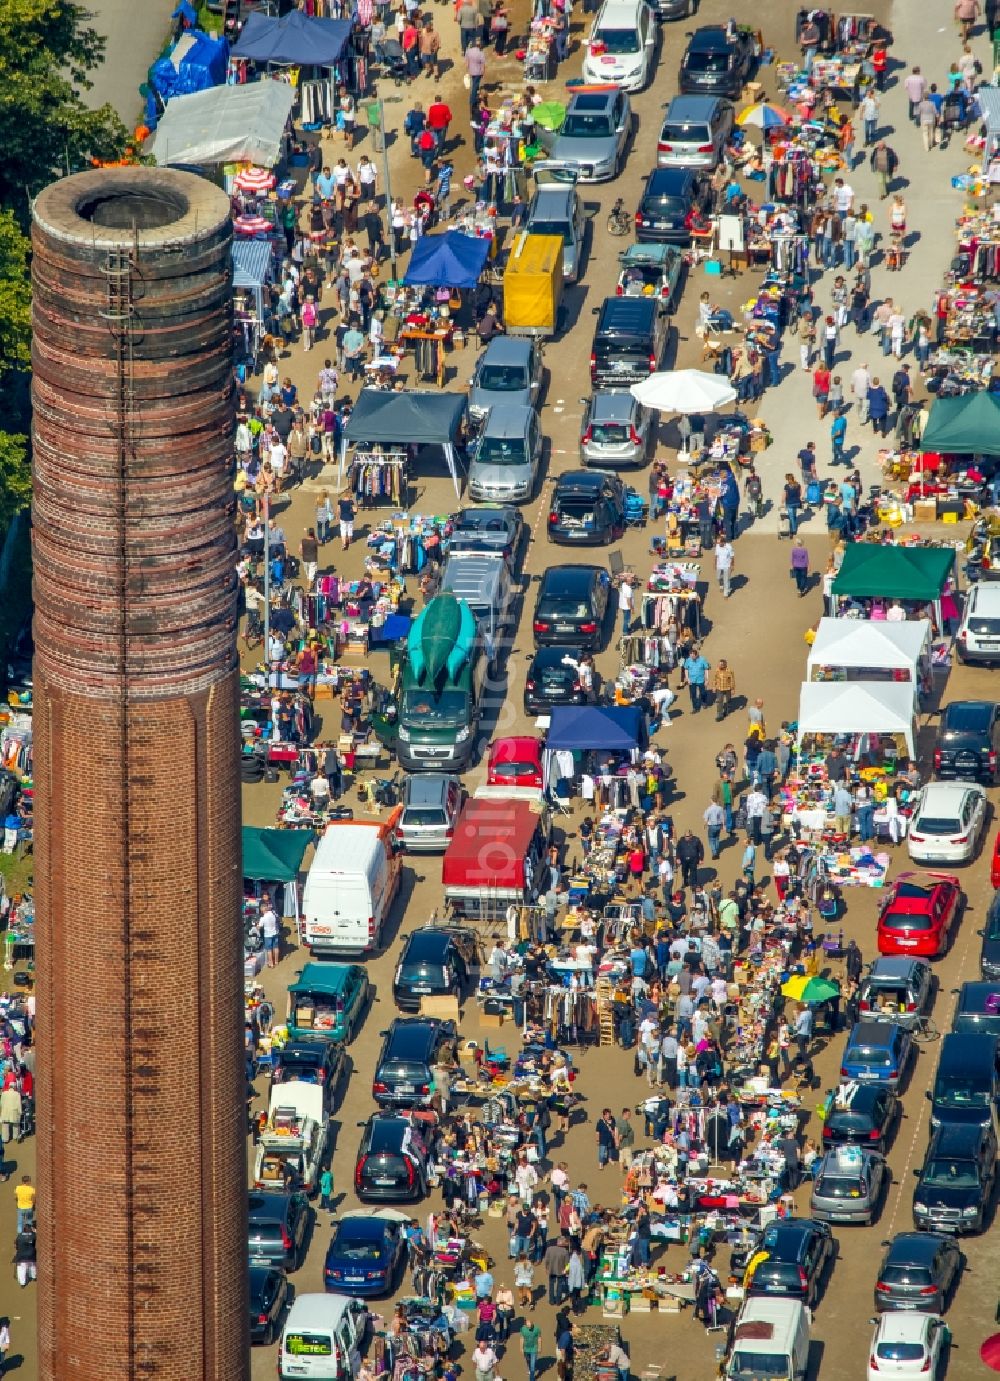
{"points": [[490, 529], [392, 1160], [668, 196], [411, 1046], [919, 1271], [587, 506], [955, 1182], [977, 1013], [989, 953], [436, 960], [277, 1228], [715, 64], [862, 1114], [553, 679], [269, 1298], [629, 341], [312, 1061], [571, 606], [968, 741], [798, 1252]]}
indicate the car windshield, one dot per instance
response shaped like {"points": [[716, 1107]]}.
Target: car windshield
{"points": [[609, 433], [951, 1174], [900, 1352], [708, 62], [567, 608], [448, 707], [662, 204], [387, 1136], [758, 1364], [993, 925], [906, 1275], [967, 719], [985, 628], [619, 40], [503, 378], [683, 132], [867, 1055], [563, 230], [909, 921], [912, 891], [581, 126], [356, 1248], [516, 769], [301, 1344], [423, 815], [954, 1091], [502, 450], [938, 824], [840, 1187], [849, 1121]]}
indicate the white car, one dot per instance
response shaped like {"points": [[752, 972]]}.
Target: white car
{"points": [[907, 1345], [947, 823], [622, 45]]}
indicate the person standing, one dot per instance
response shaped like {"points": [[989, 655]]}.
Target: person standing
{"points": [[270, 930], [883, 162], [838, 435], [800, 566], [725, 558], [715, 819], [927, 118], [696, 668], [10, 1113], [878, 408], [346, 511], [690, 855], [723, 687], [475, 66], [555, 1261], [914, 85], [469, 23], [626, 1139], [530, 1336], [24, 1200], [626, 600], [966, 14], [868, 110], [484, 1360]]}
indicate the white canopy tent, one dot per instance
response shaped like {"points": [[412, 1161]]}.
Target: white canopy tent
{"points": [[857, 707], [856, 647], [228, 124]]}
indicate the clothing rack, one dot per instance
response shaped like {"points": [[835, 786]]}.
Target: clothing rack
{"points": [[647, 649], [790, 254], [658, 607], [379, 477], [986, 261]]}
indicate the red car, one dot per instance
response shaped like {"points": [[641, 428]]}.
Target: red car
{"points": [[917, 914], [515, 761]]}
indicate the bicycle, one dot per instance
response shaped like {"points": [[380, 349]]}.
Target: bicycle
{"points": [[619, 220], [925, 1030], [253, 633]]}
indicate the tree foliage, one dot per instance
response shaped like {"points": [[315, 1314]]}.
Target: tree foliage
{"points": [[47, 49], [15, 349]]}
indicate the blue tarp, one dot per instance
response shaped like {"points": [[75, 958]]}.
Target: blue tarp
{"points": [[451, 260], [615, 728], [196, 63], [185, 10], [294, 39]]}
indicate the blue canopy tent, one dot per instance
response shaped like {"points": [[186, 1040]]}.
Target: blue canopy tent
{"points": [[451, 260], [294, 40], [195, 63], [607, 728]]}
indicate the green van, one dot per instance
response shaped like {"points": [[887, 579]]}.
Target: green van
{"points": [[327, 1000]]}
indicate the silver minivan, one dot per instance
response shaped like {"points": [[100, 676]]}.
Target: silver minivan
{"points": [[556, 209], [616, 430], [695, 132], [484, 583], [431, 803], [506, 455]]}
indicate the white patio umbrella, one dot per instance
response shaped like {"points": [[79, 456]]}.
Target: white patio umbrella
{"points": [[684, 390]]}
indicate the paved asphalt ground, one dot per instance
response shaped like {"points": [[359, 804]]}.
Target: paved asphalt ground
{"points": [[759, 630]]}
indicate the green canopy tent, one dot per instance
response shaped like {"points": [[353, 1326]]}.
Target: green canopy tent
{"points": [[903, 573], [970, 423], [276, 856]]}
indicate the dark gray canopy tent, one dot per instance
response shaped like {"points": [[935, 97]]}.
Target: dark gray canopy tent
{"points": [[418, 417]]}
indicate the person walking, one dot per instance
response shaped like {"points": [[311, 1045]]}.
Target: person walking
{"points": [[715, 819], [469, 24], [346, 511], [868, 110], [725, 558], [915, 85], [838, 435], [626, 600], [807, 338], [883, 162], [690, 853], [24, 1200], [791, 498], [475, 67], [830, 337], [531, 1336], [800, 566], [555, 1261], [861, 382], [878, 408], [606, 1136], [967, 13], [927, 118], [723, 687], [696, 668]]}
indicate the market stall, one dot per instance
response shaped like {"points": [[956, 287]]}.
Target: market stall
{"points": [[832, 709], [450, 262], [228, 124], [310, 48], [385, 434], [849, 650], [911, 575], [585, 744], [966, 425], [253, 266], [275, 856]]}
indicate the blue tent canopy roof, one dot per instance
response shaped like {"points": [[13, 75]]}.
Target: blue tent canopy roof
{"points": [[615, 728], [251, 263], [293, 39], [451, 260]]}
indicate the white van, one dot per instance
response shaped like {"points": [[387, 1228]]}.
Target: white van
{"points": [[350, 887], [978, 637], [322, 1338], [770, 1338]]}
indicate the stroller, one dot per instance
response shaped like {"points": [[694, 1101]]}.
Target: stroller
{"points": [[636, 508], [394, 60]]}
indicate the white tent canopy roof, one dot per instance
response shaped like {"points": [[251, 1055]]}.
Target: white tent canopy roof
{"points": [[862, 643], [228, 124], [857, 707]]}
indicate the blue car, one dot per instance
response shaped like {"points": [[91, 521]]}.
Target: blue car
{"points": [[877, 1052], [366, 1256]]}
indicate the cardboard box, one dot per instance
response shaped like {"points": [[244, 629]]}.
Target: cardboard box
{"points": [[924, 510], [445, 1007], [754, 90]]}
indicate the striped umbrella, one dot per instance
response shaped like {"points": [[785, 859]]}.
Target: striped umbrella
{"points": [[763, 116], [255, 180]]}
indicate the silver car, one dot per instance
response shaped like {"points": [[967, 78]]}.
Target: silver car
{"points": [[896, 988], [848, 1184], [593, 136], [555, 209], [506, 455], [431, 803], [508, 371], [695, 132], [616, 430]]}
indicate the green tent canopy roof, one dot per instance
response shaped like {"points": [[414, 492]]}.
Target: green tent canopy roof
{"points": [[274, 855], [969, 423], [894, 572]]}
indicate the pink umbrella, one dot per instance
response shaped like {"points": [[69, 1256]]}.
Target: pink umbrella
{"points": [[989, 1353], [255, 180], [251, 225]]}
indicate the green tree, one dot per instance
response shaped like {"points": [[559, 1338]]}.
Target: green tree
{"points": [[15, 351], [47, 49]]}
